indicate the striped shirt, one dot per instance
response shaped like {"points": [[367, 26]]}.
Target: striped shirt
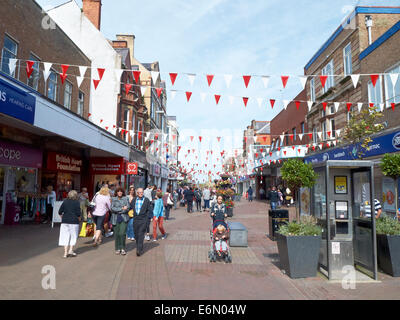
{"points": [[377, 206], [138, 204]]}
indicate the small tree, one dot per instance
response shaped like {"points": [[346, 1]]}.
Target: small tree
{"points": [[361, 127], [298, 174], [390, 166]]}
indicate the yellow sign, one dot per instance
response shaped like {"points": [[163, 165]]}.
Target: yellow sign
{"points": [[341, 185]]}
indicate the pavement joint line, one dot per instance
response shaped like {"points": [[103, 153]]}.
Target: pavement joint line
{"points": [[117, 279]]}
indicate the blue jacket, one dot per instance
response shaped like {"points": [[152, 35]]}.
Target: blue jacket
{"points": [[158, 210]]}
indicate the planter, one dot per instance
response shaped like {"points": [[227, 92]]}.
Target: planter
{"points": [[388, 249], [299, 255], [229, 212]]}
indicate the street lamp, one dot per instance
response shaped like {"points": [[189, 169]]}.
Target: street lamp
{"points": [[368, 24]]}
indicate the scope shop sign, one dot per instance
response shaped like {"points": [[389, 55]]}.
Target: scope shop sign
{"points": [[16, 103]]}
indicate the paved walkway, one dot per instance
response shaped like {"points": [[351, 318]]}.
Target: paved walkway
{"points": [[175, 268]]}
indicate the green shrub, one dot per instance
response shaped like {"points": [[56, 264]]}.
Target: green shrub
{"points": [[306, 227], [387, 225]]}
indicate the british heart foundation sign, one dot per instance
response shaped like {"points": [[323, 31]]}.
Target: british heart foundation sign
{"points": [[132, 168]]}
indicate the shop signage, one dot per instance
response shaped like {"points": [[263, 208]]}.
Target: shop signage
{"points": [[132, 168], [17, 103], [62, 162], [107, 166], [156, 170], [16, 155], [379, 146], [164, 173]]}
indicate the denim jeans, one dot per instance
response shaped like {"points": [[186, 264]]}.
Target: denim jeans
{"points": [[273, 205], [129, 232]]}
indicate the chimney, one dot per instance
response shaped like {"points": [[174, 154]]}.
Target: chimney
{"points": [[130, 40], [92, 10]]}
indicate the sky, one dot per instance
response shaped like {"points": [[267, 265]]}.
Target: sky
{"points": [[236, 37]]}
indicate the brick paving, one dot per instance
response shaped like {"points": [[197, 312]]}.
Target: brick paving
{"points": [[176, 268]]}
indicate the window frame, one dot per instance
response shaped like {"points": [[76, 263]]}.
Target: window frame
{"points": [[315, 134], [370, 86], [312, 89], [80, 108], [68, 84], [324, 130], [49, 80], [332, 128], [345, 57], [16, 71], [395, 98], [330, 82]]}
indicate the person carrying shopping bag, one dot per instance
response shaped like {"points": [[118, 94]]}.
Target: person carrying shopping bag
{"points": [[167, 202], [102, 204], [158, 216], [130, 233], [119, 219]]}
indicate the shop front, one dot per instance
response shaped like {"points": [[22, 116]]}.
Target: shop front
{"points": [[62, 172], [137, 176], [19, 166], [111, 171], [164, 178], [155, 172]]}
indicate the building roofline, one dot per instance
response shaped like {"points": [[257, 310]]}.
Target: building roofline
{"points": [[338, 31]]}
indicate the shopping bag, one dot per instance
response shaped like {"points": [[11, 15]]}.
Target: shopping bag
{"points": [[83, 230], [130, 213], [89, 230]]}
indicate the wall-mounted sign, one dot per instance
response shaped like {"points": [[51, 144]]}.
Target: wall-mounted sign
{"points": [[341, 210], [16, 155], [107, 166], [61, 162], [132, 168], [340, 185]]}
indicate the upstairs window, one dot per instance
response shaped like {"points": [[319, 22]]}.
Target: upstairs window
{"points": [[375, 93], [52, 86], [347, 63], [33, 81], [312, 90], [392, 91], [9, 52], [81, 103], [68, 95], [328, 71]]}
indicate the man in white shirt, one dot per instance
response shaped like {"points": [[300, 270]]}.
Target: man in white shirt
{"points": [[206, 197]]}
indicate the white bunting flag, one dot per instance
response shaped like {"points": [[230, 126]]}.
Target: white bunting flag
{"points": [[82, 70], [79, 80], [143, 90], [228, 79], [46, 71], [301, 136], [394, 77], [118, 74], [173, 94], [191, 78], [334, 142], [303, 81], [321, 146], [154, 76], [12, 63], [338, 132], [319, 135], [381, 106], [282, 136], [309, 104], [265, 80], [359, 105], [203, 96], [355, 78], [259, 100], [336, 104], [231, 99], [285, 104]]}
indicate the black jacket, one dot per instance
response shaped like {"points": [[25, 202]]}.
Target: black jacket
{"points": [[145, 211], [189, 195], [219, 214], [273, 196], [70, 211]]}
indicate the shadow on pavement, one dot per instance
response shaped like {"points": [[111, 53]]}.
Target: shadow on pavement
{"points": [[274, 258]]}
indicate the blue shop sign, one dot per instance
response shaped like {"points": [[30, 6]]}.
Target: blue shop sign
{"points": [[380, 145], [17, 103]]}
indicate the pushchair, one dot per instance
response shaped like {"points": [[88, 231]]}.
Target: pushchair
{"points": [[215, 254]]}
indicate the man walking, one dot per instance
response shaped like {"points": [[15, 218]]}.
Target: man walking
{"points": [[198, 195], [206, 197], [142, 209], [274, 198], [189, 195], [250, 194]]}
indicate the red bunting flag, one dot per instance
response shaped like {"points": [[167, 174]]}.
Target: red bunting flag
{"points": [[136, 75], [200, 138], [299, 150], [297, 104], [217, 97], [173, 77], [270, 154], [89, 114], [114, 126], [291, 136], [191, 138], [29, 68], [272, 101], [328, 133], [96, 83], [284, 151], [323, 80], [374, 78], [101, 72], [106, 128], [324, 105], [284, 80], [256, 155], [159, 90], [371, 104], [393, 104], [293, 147], [210, 78], [279, 148], [128, 87], [101, 120], [310, 135], [188, 95], [246, 80], [63, 76], [349, 104], [219, 140], [245, 100]]}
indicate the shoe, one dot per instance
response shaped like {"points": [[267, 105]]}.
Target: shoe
{"points": [[118, 252], [109, 234], [154, 240], [44, 222], [123, 253], [65, 256], [72, 254], [164, 237], [148, 238]]}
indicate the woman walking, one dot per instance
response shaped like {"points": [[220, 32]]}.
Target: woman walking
{"points": [[167, 200], [119, 219], [70, 211], [176, 199], [102, 206], [130, 232], [158, 216]]}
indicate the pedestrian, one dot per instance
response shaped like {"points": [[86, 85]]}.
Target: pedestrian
{"points": [[51, 199], [289, 198], [147, 193], [280, 198], [119, 219], [197, 195], [218, 211], [102, 206], [84, 201], [274, 198], [176, 199], [167, 202], [150, 215], [130, 233], [250, 194], [158, 216], [206, 198], [141, 207], [70, 212], [112, 190], [262, 194], [189, 195]]}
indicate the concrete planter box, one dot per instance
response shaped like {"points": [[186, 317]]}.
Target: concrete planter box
{"points": [[299, 255], [388, 248], [238, 234]]}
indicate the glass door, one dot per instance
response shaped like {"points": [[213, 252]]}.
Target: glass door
{"points": [[364, 243]]}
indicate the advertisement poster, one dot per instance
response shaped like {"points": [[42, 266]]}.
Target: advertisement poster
{"points": [[388, 193], [341, 185], [304, 201]]}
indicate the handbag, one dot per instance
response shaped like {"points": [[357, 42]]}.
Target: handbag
{"points": [[130, 213], [92, 204], [87, 229], [169, 201]]}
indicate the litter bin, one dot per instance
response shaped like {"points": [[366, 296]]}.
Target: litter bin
{"points": [[275, 220]]}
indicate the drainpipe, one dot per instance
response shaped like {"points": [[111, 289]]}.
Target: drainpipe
{"points": [[368, 24]]}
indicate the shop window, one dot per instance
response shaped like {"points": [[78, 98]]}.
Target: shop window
{"points": [[67, 95], [375, 93], [52, 86], [348, 64], [33, 81], [81, 103], [392, 92], [9, 52]]}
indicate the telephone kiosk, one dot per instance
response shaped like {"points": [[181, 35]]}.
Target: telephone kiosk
{"points": [[341, 201]]}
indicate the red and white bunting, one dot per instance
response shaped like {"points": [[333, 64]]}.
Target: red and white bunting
{"points": [[246, 80], [191, 77], [210, 78], [228, 79], [265, 80], [355, 78], [284, 80], [173, 77], [303, 81]]}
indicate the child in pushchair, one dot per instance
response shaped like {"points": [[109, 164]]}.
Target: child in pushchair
{"points": [[219, 242]]}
